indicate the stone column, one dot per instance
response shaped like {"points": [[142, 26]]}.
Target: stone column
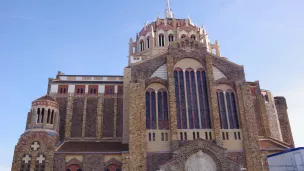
{"points": [[99, 118], [213, 101], [68, 120], [137, 131], [172, 99], [249, 128]]}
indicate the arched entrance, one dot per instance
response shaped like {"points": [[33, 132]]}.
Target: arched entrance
{"points": [[113, 167], [74, 167]]}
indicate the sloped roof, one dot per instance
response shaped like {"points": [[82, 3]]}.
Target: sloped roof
{"points": [[46, 97]]}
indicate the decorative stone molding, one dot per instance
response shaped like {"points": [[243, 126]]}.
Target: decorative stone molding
{"points": [[156, 80], [113, 161], [73, 161], [224, 81], [205, 149]]}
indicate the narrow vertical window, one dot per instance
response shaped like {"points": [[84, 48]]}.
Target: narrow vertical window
{"points": [[185, 134], [153, 136], [64, 90], [166, 117], [181, 136], [229, 110], [180, 99], [166, 136], [148, 42], [171, 38], [234, 110], [153, 100], [150, 137], [206, 135], [60, 90], [52, 118], [161, 40], [142, 45], [198, 135], [38, 116], [193, 135], [148, 110], [48, 116], [162, 136], [222, 110], [160, 110], [42, 115], [203, 99], [193, 37], [210, 135]]}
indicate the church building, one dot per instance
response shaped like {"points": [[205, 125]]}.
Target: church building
{"points": [[180, 106]]}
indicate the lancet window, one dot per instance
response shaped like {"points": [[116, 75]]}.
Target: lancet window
{"points": [[157, 106], [161, 40], [191, 99], [227, 109]]}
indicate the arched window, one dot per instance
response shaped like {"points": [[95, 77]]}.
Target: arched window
{"points": [[192, 99], [227, 109], [162, 100], [203, 99], [148, 42], [26, 163], [161, 40], [183, 36], [38, 116], [180, 98], [150, 109], [142, 45], [193, 37], [171, 38], [266, 98]]}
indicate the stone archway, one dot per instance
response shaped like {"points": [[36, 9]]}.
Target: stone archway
{"points": [[200, 162]]}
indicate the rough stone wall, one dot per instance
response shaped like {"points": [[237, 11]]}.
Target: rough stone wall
{"points": [[238, 157], [47, 146], [213, 101], [275, 130], [91, 117], [108, 117], [93, 162], [261, 131], [137, 129], [281, 106], [119, 117], [125, 161], [77, 118], [62, 102], [28, 120], [126, 87], [172, 99], [59, 162], [249, 127], [156, 159]]}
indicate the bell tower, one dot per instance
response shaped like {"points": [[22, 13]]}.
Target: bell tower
{"points": [[36, 146]]}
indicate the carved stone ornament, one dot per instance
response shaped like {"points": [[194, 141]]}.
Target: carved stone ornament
{"points": [[200, 162]]}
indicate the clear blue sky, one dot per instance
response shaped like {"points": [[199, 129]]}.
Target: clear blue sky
{"points": [[39, 38]]}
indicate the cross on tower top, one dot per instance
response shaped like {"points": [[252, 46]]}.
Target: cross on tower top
{"points": [[35, 146], [26, 158], [41, 158]]}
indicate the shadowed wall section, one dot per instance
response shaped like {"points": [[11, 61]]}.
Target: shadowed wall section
{"points": [[62, 102], [119, 118], [108, 117], [77, 118], [91, 117]]}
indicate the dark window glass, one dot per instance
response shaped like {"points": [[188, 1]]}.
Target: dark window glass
{"points": [[229, 108], [181, 136], [48, 116], [42, 115], [166, 118], [203, 100], [185, 134], [38, 116], [148, 110], [222, 111], [194, 99], [52, 118], [162, 136], [206, 135], [160, 110], [177, 103], [153, 100], [189, 99], [193, 135], [234, 110], [182, 101]]}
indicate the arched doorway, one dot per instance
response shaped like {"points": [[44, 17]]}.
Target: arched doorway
{"points": [[74, 167], [113, 167]]}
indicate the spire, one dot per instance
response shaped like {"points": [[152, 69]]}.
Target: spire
{"points": [[168, 12]]}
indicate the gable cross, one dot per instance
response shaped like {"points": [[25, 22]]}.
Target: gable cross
{"points": [[26, 158], [41, 158], [35, 146]]}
